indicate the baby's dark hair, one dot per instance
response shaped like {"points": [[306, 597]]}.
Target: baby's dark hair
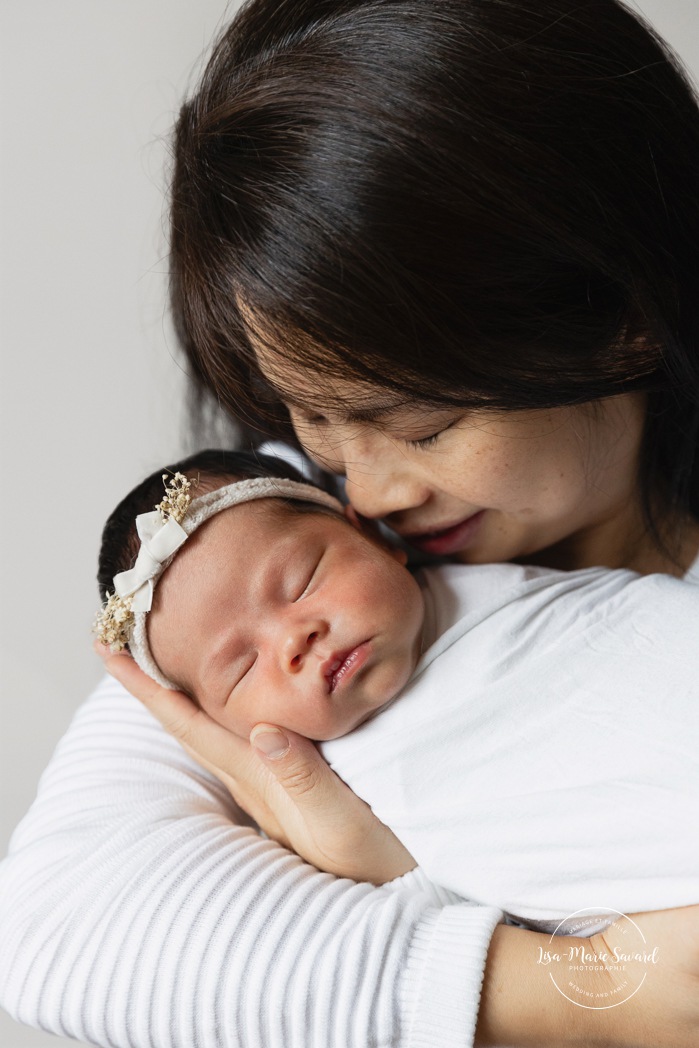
{"points": [[210, 468]]}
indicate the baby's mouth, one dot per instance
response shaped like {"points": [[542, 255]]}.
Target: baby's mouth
{"points": [[339, 669]]}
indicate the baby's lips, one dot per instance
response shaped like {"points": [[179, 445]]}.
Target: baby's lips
{"points": [[331, 665], [358, 654]]}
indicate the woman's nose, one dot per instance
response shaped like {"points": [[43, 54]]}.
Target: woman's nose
{"points": [[382, 482], [381, 479]]}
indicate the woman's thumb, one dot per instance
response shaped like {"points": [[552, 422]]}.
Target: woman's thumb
{"points": [[293, 760]]}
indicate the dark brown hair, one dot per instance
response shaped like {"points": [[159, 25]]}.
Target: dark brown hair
{"points": [[481, 202]]}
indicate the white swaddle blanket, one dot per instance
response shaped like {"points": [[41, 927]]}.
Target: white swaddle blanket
{"points": [[544, 756]]}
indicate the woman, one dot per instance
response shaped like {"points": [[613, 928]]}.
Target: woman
{"points": [[454, 246]]}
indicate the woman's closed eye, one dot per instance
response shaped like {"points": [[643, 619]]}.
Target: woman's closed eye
{"points": [[312, 428], [425, 442], [430, 440]]}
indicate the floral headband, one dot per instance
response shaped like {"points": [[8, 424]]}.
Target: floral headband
{"points": [[122, 619]]}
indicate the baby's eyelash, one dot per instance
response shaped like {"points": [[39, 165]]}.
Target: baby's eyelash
{"points": [[241, 678], [309, 580]]}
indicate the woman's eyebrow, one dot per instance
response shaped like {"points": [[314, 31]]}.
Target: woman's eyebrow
{"points": [[370, 411]]}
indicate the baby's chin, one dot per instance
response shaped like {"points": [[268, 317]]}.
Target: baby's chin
{"points": [[392, 687], [346, 727]]}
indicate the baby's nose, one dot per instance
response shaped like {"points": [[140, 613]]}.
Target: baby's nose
{"points": [[300, 643]]}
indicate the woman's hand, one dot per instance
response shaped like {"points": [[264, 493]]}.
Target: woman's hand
{"points": [[281, 780]]}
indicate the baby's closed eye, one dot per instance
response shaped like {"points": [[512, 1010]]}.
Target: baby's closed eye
{"points": [[304, 581], [241, 672]]}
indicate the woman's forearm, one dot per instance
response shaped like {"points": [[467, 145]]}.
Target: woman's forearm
{"points": [[135, 912], [520, 1004], [137, 909], [528, 1001]]}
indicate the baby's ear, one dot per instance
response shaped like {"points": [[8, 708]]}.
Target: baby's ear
{"points": [[371, 530], [360, 523]]}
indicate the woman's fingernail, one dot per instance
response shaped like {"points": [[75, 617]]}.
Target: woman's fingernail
{"points": [[271, 742]]}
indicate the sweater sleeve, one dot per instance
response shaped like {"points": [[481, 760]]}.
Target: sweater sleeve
{"points": [[138, 910]]}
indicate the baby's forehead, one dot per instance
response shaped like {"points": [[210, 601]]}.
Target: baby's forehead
{"points": [[239, 538], [240, 543]]}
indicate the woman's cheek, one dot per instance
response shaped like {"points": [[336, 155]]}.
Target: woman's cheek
{"points": [[315, 445]]}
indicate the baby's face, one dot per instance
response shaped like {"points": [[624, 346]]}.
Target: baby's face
{"points": [[295, 619]]}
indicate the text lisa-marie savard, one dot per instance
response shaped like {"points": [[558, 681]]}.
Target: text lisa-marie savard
{"points": [[581, 955]]}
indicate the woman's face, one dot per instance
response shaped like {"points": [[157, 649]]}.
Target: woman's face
{"points": [[478, 486]]}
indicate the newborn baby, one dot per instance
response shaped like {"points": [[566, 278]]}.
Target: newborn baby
{"points": [[278, 609], [537, 759]]}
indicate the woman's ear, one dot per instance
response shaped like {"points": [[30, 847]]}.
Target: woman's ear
{"points": [[371, 530]]}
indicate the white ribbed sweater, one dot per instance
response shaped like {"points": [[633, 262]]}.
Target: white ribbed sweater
{"points": [[136, 912]]}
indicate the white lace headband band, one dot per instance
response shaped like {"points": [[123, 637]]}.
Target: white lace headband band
{"points": [[122, 619]]}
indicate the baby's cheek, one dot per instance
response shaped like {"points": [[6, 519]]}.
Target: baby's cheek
{"points": [[228, 716], [406, 601], [391, 677]]}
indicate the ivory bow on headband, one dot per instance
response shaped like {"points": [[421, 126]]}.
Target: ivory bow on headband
{"points": [[159, 542], [122, 619]]}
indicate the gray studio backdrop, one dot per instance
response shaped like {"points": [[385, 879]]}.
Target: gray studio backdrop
{"points": [[92, 389]]}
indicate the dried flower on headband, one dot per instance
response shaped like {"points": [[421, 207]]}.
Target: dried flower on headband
{"points": [[114, 622], [177, 497], [161, 536]]}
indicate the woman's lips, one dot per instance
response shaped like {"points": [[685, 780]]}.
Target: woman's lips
{"points": [[449, 540], [340, 668]]}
